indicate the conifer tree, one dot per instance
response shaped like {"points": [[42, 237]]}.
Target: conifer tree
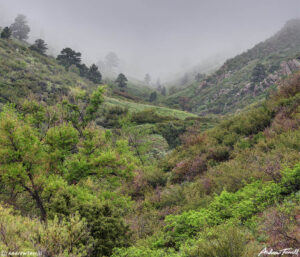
{"points": [[20, 28], [121, 80], [39, 46], [94, 74], [69, 57], [6, 33]]}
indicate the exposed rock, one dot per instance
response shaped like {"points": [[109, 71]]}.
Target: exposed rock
{"points": [[202, 85], [246, 88], [285, 68], [224, 91], [273, 77], [294, 65], [227, 75], [258, 88], [297, 63]]}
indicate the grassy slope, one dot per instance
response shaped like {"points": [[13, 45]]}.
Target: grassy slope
{"points": [[135, 107], [24, 72]]}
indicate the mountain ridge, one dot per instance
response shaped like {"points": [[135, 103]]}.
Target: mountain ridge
{"points": [[218, 92]]}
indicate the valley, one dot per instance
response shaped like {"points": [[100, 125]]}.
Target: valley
{"points": [[109, 166]]}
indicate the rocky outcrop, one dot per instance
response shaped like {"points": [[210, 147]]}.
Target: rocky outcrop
{"points": [[286, 68], [203, 84]]}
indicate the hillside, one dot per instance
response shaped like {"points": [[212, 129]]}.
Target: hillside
{"points": [[223, 189], [89, 171], [134, 90], [136, 107], [25, 73], [236, 84]]}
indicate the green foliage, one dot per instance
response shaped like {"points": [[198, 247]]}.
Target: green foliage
{"points": [[94, 75], [112, 117], [61, 141], [144, 252], [22, 158], [6, 33], [153, 96], [108, 230], [241, 206], [148, 116], [34, 112], [258, 73], [136, 107], [214, 146], [121, 80], [66, 237], [39, 46], [81, 108], [96, 156], [104, 224], [91, 188], [229, 89], [171, 131], [37, 168], [69, 57], [226, 241], [290, 180]]}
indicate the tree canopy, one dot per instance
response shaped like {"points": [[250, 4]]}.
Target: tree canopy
{"points": [[94, 74], [153, 96], [258, 73], [69, 57], [121, 80], [20, 28], [6, 33], [39, 46]]}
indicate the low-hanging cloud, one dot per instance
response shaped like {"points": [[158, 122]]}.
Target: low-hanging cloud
{"points": [[160, 37]]}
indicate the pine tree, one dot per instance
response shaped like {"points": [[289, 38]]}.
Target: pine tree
{"points": [[121, 80], [258, 73], [69, 57], [147, 79], [94, 74], [39, 46], [20, 28], [6, 33], [153, 96], [163, 91], [83, 70]]}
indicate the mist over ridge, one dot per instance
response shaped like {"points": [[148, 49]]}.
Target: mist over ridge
{"points": [[161, 38]]}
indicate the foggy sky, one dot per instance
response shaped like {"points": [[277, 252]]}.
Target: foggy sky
{"points": [[160, 37]]}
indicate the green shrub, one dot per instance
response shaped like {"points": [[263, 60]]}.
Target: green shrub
{"points": [[148, 116], [144, 252], [226, 241], [241, 205]]}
